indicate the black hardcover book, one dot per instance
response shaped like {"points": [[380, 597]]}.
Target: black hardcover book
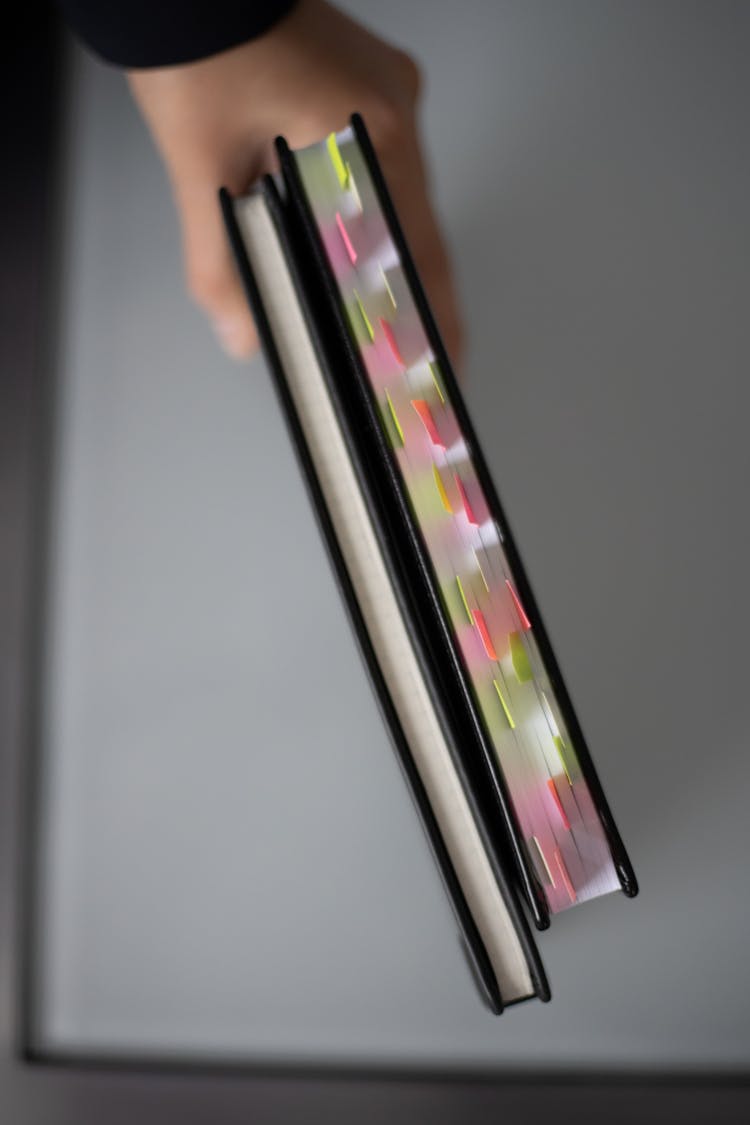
{"points": [[437, 595]]}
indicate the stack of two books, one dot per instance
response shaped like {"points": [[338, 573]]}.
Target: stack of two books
{"points": [[447, 624]]}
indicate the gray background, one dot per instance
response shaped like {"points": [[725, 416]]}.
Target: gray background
{"points": [[232, 865]]}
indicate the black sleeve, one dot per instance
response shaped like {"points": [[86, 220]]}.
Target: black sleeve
{"points": [[143, 33]]}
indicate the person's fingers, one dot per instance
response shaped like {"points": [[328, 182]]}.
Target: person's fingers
{"points": [[210, 270], [214, 284]]}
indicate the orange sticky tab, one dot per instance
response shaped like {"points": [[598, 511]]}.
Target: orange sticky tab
{"points": [[484, 633], [525, 623], [441, 488], [565, 876], [428, 421], [558, 803], [346, 239], [465, 500], [388, 333]]}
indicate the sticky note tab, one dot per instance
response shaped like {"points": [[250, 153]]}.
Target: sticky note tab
{"points": [[463, 599], [465, 500], [560, 747], [565, 876], [436, 378], [481, 572], [484, 633], [394, 416], [542, 865], [346, 239], [391, 339], [441, 489], [363, 314], [428, 421], [387, 286], [548, 713], [353, 188], [558, 803], [505, 706], [520, 658], [338, 164], [525, 623]]}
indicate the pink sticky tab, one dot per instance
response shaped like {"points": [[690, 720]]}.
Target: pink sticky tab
{"points": [[428, 421], [465, 500], [558, 803], [484, 633], [525, 623], [388, 333], [346, 239], [565, 876]]}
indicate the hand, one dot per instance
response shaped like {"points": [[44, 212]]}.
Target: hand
{"points": [[214, 122]]}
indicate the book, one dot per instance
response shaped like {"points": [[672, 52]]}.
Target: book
{"points": [[426, 562]]}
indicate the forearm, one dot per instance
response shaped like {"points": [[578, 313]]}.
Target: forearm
{"points": [[151, 33]]}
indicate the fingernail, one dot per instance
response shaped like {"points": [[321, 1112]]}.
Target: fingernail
{"points": [[232, 336]]}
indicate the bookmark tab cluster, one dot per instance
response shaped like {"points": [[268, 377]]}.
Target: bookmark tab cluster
{"points": [[491, 623]]}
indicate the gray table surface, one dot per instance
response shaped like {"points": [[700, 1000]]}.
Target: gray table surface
{"points": [[233, 869]]}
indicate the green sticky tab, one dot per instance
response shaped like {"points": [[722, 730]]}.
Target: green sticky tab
{"points": [[463, 599], [441, 488], [363, 314], [353, 187], [435, 372], [506, 709], [394, 417], [560, 747], [338, 164], [387, 286], [520, 658], [481, 572]]}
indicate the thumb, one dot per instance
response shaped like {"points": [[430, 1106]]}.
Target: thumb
{"points": [[211, 274]]}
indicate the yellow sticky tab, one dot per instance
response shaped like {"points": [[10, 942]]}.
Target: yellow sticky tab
{"points": [[441, 488], [463, 599], [338, 164], [520, 658], [363, 314], [481, 572], [435, 372], [387, 285], [353, 187], [506, 708], [560, 747], [394, 416]]}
